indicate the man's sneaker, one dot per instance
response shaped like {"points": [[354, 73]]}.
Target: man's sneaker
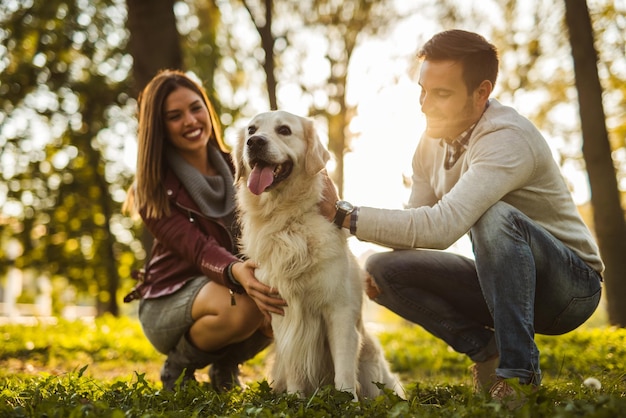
{"points": [[224, 377], [511, 395], [484, 374], [501, 390]]}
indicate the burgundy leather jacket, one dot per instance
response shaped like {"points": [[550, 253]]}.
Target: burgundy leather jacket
{"points": [[186, 244]]}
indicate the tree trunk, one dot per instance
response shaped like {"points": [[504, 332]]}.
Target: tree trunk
{"points": [[155, 45], [267, 43], [610, 225], [268, 46], [109, 257], [154, 40]]}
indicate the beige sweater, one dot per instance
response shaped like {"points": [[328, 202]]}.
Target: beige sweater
{"points": [[507, 160]]}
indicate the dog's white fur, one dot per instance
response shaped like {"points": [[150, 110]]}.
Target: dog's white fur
{"points": [[321, 338]]}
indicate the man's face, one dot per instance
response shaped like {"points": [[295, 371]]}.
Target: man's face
{"points": [[448, 106]]}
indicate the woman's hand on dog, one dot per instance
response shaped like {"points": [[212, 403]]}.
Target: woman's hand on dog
{"points": [[267, 299]]}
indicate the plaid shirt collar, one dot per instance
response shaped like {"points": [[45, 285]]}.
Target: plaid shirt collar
{"points": [[455, 147]]}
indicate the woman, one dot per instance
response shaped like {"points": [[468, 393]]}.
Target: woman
{"points": [[200, 304]]}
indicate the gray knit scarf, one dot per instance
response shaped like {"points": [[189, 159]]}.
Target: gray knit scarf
{"points": [[214, 195]]}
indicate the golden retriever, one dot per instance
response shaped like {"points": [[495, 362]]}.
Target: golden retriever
{"points": [[321, 339]]}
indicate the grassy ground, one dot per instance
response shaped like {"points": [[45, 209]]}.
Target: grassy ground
{"points": [[106, 368]]}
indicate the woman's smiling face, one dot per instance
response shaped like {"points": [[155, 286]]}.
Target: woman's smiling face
{"points": [[187, 121]]}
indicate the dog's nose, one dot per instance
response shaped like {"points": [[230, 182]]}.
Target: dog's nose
{"points": [[256, 142]]}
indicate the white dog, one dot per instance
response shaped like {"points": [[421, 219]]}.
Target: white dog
{"points": [[321, 338]]}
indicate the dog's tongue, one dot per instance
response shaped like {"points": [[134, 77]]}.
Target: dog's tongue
{"points": [[260, 178]]}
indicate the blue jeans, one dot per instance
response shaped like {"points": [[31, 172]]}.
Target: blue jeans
{"points": [[523, 281]]}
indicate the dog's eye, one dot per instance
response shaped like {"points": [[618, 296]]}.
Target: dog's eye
{"points": [[251, 130], [284, 130]]}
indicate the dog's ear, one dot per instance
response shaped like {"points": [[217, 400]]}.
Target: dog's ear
{"points": [[238, 155], [317, 156]]}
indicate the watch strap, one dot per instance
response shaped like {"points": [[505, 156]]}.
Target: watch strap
{"points": [[339, 217]]}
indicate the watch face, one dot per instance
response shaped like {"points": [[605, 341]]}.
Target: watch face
{"points": [[344, 206]]}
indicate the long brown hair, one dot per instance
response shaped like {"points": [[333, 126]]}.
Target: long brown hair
{"points": [[147, 192]]}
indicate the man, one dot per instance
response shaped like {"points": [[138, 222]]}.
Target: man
{"points": [[480, 168]]}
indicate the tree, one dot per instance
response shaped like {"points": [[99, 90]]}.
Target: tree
{"points": [[608, 214], [63, 79], [154, 45], [342, 25], [263, 26], [66, 117], [154, 42], [65, 64]]}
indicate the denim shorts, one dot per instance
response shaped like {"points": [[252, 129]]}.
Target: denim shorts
{"points": [[165, 320]]}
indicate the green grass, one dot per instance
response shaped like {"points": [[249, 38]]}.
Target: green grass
{"points": [[107, 368]]}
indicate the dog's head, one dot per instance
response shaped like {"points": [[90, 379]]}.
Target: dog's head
{"points": [[276, 145]]}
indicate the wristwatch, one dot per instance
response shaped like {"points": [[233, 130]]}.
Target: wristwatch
{"points": [[343, 209]]}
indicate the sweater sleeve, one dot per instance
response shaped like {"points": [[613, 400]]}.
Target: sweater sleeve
{"points": [[496, 165], [422, 192]]}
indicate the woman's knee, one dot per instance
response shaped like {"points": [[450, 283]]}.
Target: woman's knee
{"points": [[247, 317], [241, 317], [226, 326]]}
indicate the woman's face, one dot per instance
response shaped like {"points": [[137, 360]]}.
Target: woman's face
{"points": [[187, 121]]}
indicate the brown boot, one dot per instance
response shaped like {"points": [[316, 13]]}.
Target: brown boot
{"points": [[182, 362], [171, 371], [224, 373], [224, 377]]}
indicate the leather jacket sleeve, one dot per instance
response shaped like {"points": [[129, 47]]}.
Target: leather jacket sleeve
{"points": [[181, 236]]}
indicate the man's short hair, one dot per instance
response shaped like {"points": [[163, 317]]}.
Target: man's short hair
{"points": [[478, 57]]}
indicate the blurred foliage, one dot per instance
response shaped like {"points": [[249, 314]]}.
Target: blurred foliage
{"points": [[66, 119], [67, 115], [72, 344], [107, 368]]}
